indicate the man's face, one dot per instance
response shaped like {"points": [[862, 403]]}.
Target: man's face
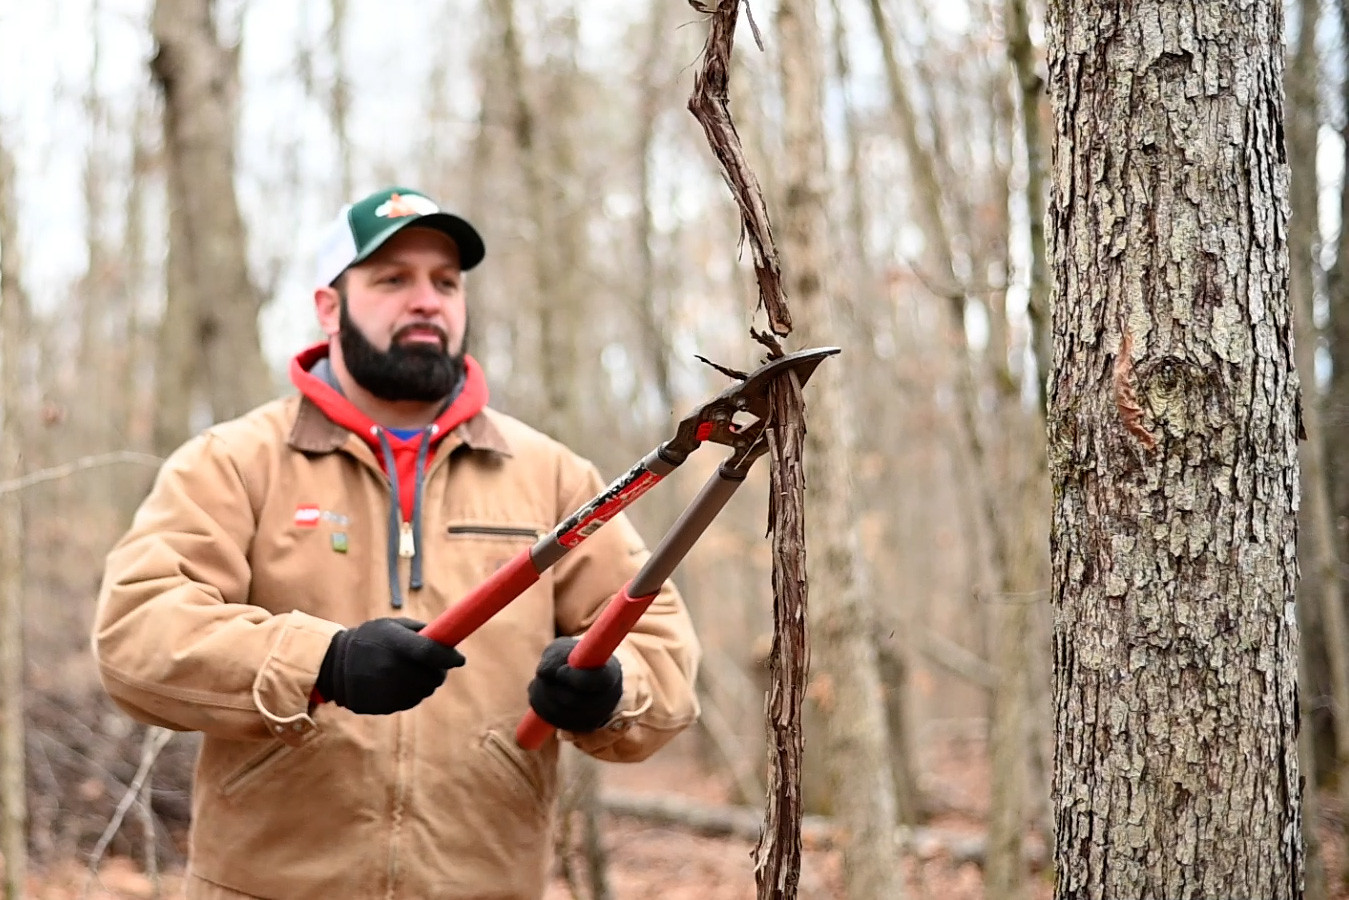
{"points": [[400, 318]]}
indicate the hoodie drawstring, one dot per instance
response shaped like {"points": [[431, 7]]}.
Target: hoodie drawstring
{"points": [[395, 520], [405, 539], [415, 582]]}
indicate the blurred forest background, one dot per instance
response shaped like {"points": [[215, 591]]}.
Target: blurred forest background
{"points": [[131, 129]]}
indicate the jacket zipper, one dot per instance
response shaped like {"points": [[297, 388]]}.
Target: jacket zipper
{"points": [[494, 530]]}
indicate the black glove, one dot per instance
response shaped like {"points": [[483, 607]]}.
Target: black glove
{"points": [[384, 666], [574, 699]]}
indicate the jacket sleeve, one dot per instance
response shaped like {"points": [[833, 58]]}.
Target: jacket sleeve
{"points": [[659, 657], [176, 640]]}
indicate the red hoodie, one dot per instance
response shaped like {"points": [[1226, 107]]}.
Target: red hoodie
{"points": [[470, 401]]}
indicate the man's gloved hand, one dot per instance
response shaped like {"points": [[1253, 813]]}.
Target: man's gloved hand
{"points": [[572, 699], [384, 666]]}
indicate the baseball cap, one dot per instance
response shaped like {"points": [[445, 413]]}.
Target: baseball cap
{"points": [[361, 227]]}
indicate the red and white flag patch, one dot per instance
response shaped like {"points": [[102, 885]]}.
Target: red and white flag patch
{"points": [[307, 515]]}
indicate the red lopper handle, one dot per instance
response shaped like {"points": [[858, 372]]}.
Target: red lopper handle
{"points": [[592, 652], [484, 601]]}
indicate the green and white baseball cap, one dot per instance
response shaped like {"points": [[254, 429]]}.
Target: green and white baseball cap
{"points": [[361, 227]]}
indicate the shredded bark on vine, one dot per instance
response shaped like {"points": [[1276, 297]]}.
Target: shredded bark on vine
{"points": [[710, 106], [777, 858]]}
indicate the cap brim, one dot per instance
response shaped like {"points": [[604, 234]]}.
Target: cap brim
{"points": [[464, 235]]}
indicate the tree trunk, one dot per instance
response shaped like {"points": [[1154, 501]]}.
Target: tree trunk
{"points": [[210, 323], [1173, 441], [846, 686], [13, 338], [545, 177], [1321, 589], [1021, 51], [554, 220], [652, 305], [101, 292], [1316, 880], [1006, 487], [1011, 731], [1336, 403], [339, 96], [855, 284]]}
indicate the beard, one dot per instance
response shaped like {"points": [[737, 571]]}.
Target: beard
{"points": [[403, 372]]}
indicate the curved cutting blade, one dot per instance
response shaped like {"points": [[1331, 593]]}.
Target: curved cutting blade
{"points": [[736, 416]]}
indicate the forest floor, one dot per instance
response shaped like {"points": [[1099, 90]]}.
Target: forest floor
{"points": [[649, 861]]}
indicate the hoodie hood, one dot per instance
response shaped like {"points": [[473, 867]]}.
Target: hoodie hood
{"points": [[470, 400]]}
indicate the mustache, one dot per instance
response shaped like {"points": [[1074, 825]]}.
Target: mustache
{"points": [[422, 326]]}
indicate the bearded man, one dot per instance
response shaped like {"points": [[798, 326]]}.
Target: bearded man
{"points": [[271, 590]]}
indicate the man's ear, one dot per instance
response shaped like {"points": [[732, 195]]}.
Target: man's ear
{"points": [[328, 308]]}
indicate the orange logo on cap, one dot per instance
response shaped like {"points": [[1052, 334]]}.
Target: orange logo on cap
{"points": [[398, 206]]}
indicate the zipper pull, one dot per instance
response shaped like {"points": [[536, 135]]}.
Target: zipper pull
{"points": [[407, 548]]}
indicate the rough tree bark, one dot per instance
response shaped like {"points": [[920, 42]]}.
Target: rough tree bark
{"points": [[209, 335], [13, 337], [1173, 441], [846, 686]]}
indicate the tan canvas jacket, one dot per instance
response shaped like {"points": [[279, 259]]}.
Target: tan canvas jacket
{"points": [[264, 536]]}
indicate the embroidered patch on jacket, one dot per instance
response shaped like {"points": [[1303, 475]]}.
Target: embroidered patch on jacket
{"points": [[308, 515], [339, 539]]}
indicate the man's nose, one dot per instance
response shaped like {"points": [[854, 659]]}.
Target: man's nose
{"points": [[425, 297]]}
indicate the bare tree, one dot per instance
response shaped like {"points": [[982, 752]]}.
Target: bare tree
{"points": [[545, 176], [1173, 440], [13, 332], [1337, 334], [651, 307], [339, 95], [855, 742], [208, 345], [1007, 486], [1321, 602]]}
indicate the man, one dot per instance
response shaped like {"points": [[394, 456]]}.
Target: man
{"points": [[271, 587]]}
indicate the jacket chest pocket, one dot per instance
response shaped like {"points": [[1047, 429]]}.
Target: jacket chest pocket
{"points": [[474, 550], [514, 533], [483, 547]]}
